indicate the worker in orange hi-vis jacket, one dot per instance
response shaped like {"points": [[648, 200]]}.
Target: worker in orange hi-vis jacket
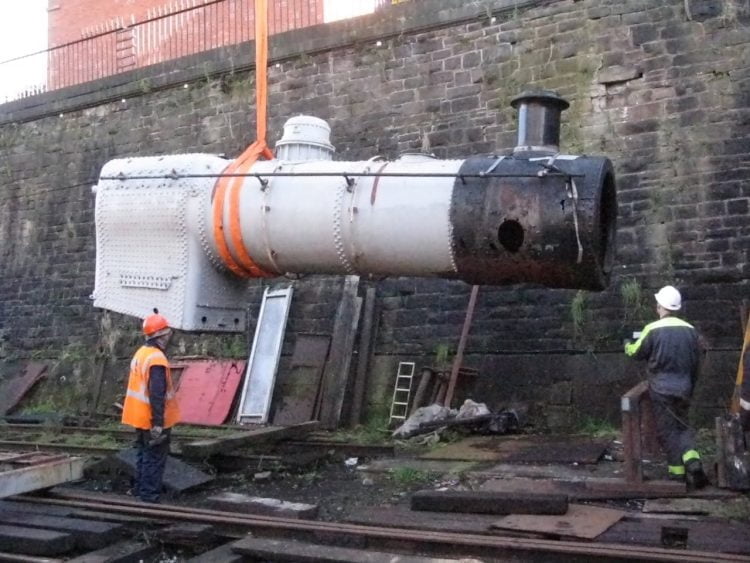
{"points": [[673, 350], [150, 407]]}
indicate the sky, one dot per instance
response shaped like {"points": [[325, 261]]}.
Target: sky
{"points": [[341, 9], [23, 30]]}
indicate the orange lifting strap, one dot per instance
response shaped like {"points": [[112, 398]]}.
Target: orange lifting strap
{"points": [[227, 189]]}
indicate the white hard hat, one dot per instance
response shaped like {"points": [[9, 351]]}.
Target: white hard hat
{"points": [[669, 298]]}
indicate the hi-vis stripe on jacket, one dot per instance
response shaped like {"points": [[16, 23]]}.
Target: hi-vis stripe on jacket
{"points": [[673, 351], [137, 409]]}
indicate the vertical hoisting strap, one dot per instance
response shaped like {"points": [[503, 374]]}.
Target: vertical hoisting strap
{"points": [[227, 189]]}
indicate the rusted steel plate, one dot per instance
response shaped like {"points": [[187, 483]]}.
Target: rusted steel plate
{"points": [[38, 471], [525, 449], [206, 390], [581, 521], [14, 389]]}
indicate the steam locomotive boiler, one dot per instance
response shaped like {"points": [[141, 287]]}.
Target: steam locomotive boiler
{"points": [[179, 233]]}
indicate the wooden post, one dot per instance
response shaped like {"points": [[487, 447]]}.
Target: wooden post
{"points": [[363, 359], [336, 372], [461, 346], [630, 405], [424, 384]]}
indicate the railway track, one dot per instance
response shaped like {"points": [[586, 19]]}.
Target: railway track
{"points": [[413, 540]]}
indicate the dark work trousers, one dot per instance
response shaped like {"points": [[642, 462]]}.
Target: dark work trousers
{"points": [[149, 465], [670, 416]]}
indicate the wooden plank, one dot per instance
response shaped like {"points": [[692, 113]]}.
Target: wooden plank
{"points": [[461, 346], [15, 388], [178, 475], [226, 444], [31, 541], [602, 489], [680, 506], [558, 449], [581, 521], [298, 388], [246, 504], [121, 552], [364, 356], [425, 379], [400, 516], [88, 534], [483, 502], [304, 552], [336, 372], [630, 405]]}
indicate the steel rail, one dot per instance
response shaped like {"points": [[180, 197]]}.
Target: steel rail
{"points": [[110, 450], [451, 539], [16, 558], [275, 455], [42, 428]]}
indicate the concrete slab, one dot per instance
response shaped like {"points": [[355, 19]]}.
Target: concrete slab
{"points": [[120, 552], [41, 472], [245, 504], [178, 476], [31, 541], [88, 534]]}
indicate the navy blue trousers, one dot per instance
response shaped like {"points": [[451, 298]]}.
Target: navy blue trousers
{"points": [[150, 463]]}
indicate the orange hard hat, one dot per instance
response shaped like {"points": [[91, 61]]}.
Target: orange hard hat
{"points": [[155, 325]]}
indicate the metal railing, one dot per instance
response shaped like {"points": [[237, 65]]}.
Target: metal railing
{"points": [[183, 28]]}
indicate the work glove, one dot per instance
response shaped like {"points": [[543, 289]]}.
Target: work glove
{"points": [[156, 432]]}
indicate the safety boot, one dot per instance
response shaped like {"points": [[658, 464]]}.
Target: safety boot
{"points": [[695, 477]]}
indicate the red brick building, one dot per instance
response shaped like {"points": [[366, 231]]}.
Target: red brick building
{"points": [[90, 39]]}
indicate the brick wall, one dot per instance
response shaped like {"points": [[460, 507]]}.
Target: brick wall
{"points": [[92, 43], [663, 91]]}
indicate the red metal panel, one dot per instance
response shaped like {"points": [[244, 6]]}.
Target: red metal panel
{"points": [[207, 389]]}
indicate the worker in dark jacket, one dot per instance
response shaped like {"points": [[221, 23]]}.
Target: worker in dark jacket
{"points": [[150, 407], [745, 394], [673, 351]]}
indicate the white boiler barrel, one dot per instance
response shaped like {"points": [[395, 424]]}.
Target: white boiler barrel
{"points": [[312, 222]]}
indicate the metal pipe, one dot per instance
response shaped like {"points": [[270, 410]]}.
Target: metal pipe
{"points": [[538, 122]]}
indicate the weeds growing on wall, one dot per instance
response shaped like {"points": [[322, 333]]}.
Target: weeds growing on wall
{"points": [[578, 314], [637, 306], [442, 356]]}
